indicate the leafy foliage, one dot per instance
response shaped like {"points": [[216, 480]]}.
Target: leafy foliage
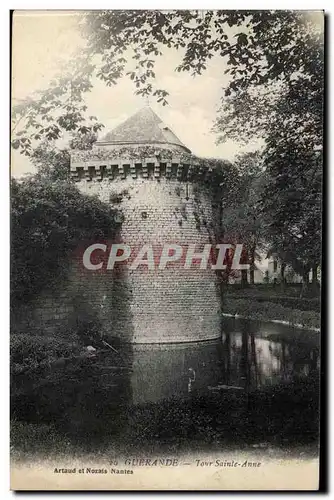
{"points": [[29, 352], [52, 163], [259, 47], [56, 113], [274, 61], [292, 195], [49, 219], [241, 212]]}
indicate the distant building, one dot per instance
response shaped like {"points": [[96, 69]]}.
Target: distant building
{"points": [[269, 271]]}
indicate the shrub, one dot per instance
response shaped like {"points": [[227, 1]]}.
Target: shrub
{"points": [[41, 371], [49, 220], [31, 351]]}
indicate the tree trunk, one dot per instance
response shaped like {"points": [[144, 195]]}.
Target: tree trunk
{"points": [[314, 275], [282, 276], [315, 283], [244, 362], [305, 283], [252, 266], [244, 278]]}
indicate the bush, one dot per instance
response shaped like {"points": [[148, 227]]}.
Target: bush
{"points": [[42, 369], [29, 352], [49, 221], [54, 382]]}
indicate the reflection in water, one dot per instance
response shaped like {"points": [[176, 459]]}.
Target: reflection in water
{"points": [[258, 383], [243, 359], [165, 371]]}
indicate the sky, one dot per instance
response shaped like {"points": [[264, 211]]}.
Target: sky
{"points": [[45, 42]]}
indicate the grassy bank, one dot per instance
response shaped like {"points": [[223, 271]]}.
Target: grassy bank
{"points": [[28, 440], [268, 310], [214, 421]]}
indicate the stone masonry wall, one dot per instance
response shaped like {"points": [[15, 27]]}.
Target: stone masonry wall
{"points": [[170, 305], [140, 306]]}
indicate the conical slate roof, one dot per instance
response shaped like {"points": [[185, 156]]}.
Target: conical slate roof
{"points": [[144, 127]]}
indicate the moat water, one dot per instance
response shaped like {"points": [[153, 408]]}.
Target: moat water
{"points": [[257, 386]]}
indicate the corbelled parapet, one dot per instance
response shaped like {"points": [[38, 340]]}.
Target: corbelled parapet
{"points": [[103, 163], [142, 147]]}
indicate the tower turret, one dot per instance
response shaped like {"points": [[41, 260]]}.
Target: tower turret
{"points": [[162, 192]]}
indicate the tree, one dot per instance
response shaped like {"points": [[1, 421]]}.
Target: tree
{"points": [[53, 163], [293, 159], [49, 219], [274, 60], [242, 217], [289, 112], [260, 48]]}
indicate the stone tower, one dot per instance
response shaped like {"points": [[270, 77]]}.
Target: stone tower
{"points": [[163, 194]]}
